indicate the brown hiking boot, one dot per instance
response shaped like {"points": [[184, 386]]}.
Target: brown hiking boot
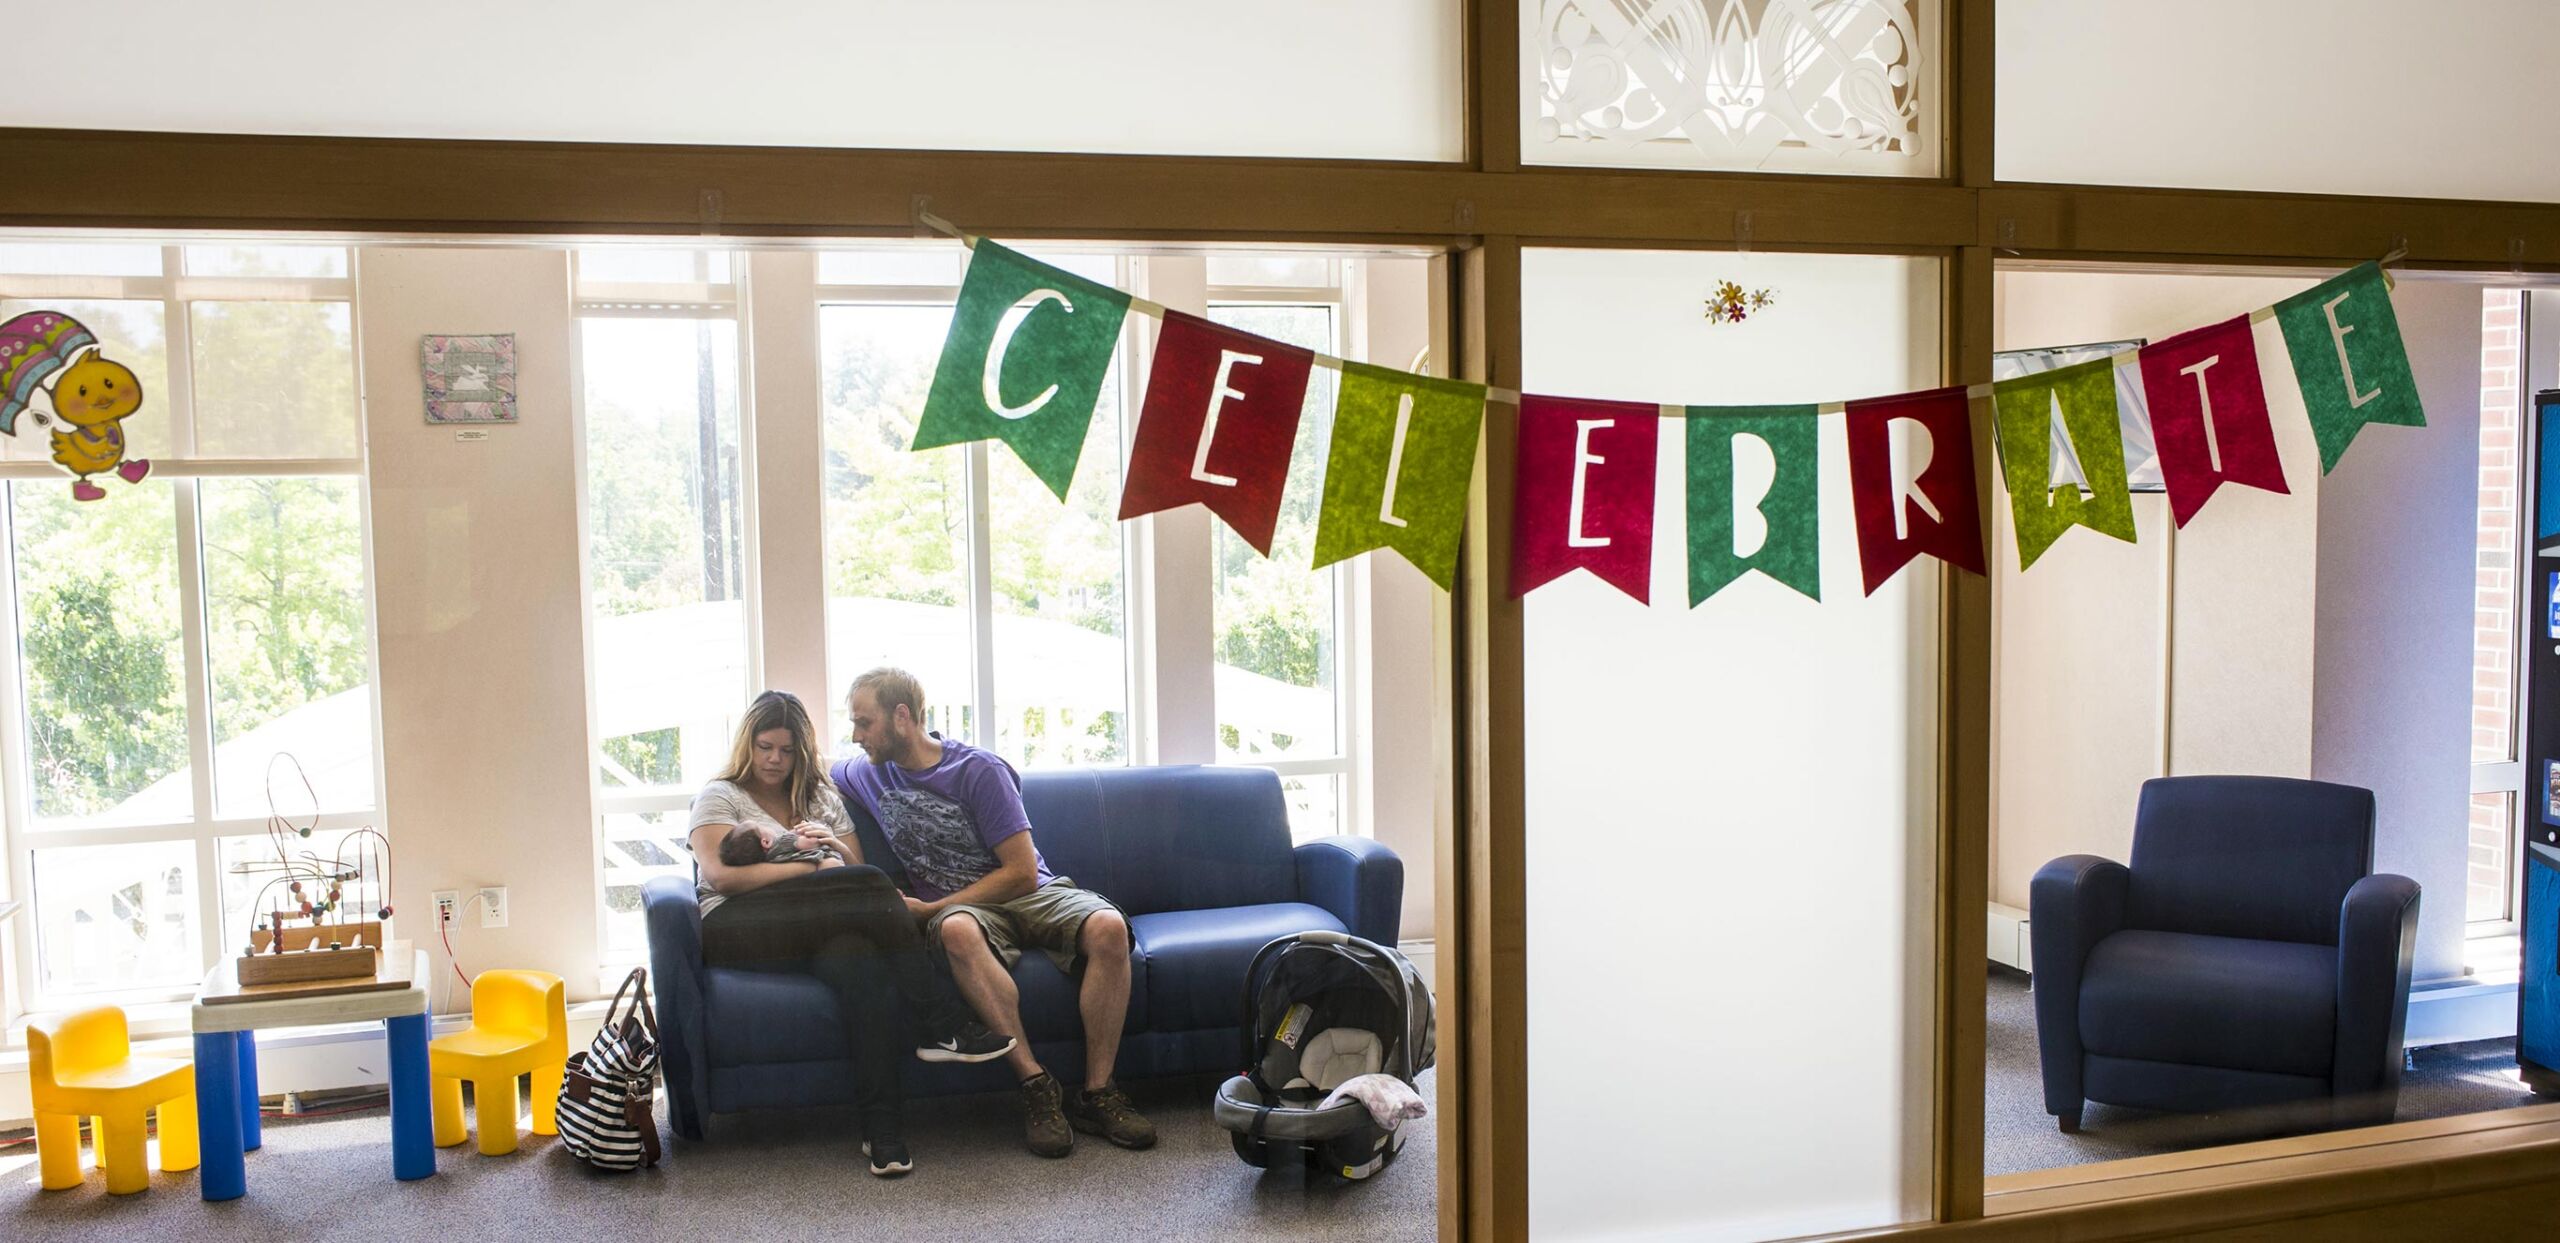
{"points": [[1106, 1111], [1044, 1123]]}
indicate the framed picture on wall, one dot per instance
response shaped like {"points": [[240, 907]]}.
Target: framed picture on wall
{"points": [[2133, 410]]}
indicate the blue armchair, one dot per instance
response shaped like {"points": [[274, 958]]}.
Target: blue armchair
{"points": [[1199, 858], [2248, 957]]}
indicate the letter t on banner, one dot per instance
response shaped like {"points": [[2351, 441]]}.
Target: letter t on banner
{"points": [[1585, 492], [1028, 348], [2209, 414], [1220, 415], [1941, 509]]}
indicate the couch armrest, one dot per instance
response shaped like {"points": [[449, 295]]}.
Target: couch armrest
{"points": [[2377, 942], [674, 921], [2073, 903], [1358, 880]]}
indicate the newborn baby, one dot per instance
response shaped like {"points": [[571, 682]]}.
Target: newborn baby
{"points": [[746, 845]]}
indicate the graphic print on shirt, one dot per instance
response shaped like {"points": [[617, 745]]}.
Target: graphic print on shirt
{"points": [[935, 838]]}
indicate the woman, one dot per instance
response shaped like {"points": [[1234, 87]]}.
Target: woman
{"points": [[834, 917]]}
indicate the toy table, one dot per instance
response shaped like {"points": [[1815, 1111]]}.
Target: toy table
{"points": [[226, 1019]]}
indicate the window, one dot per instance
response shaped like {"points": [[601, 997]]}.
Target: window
{"points": [[667, 555], [957, 564], [2490, 881], [179, 636]]}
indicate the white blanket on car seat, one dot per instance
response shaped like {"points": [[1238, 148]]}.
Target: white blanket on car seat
{"points": [[1390, 1100]]}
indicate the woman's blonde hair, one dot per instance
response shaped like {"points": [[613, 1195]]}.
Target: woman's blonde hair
{"points": [[780, 710]]}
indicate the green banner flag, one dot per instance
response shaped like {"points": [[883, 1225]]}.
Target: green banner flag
{"points": [[1028, 349], [1791, 551], [2347, 356], [1404, 450], [2086, 395]]}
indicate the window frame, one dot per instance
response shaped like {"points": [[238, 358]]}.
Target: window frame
{"points": [[205, 830]]}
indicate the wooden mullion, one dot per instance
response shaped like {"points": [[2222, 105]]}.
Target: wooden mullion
{"points": [[1492, 71]]}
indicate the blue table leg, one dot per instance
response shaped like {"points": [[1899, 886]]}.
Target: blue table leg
{"points": [[224, 1174], [413, 1139], [250, 1138]]}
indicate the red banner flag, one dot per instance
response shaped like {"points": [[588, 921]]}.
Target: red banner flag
{"points": [[1585, 492], [2209, 414], [1938, 513], [1220, 415]]}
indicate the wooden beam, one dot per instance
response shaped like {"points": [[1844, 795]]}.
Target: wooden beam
{"points": [[1493, 85], [2112, 222], [1963, 865]]}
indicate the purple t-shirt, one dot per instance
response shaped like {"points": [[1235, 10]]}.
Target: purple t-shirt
{"points": [[945, 821]]}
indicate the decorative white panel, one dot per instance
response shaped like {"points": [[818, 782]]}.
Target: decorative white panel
{"points": [[1803, 86]]}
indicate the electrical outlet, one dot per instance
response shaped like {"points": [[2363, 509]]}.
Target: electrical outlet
{"points": [[493, 906], [447, 902]]}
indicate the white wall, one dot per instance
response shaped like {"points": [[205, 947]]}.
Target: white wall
{"points": [[1340, 78], [1731, 808], [2315, 96]]}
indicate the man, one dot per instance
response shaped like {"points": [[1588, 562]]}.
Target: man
{"points": [[953, 815]]}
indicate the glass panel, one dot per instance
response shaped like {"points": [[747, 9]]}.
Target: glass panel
{"points": [[111, 917], [2081, 97], [305, 261], [1275, 618], [78, 259], [664, 545], [1315, 805], [638, 848], [274, 379], [1061, 656], [897, 522], [932, 264], [637, 265], [284, 604], [129, 331], [1796, 86], [1274, 271], [2493, 616], [1746, 739], [98, 631], [2491, 829]]}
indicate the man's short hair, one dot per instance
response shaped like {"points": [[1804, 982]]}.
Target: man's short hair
{"points": [[891, 686]]}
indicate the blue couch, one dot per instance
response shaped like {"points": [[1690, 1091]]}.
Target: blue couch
{"points": [[2249, 957], [1198, 857]]}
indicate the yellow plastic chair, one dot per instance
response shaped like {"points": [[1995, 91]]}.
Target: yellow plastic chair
{"points": [[82, 1064], [519, 1025]]}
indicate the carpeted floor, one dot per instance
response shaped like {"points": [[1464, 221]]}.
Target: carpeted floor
{"points": [[2018, 1135], [762, 1176]]}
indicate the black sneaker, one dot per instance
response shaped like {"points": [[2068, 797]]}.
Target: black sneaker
{"points": [[1106, 1111], [888, 1157], [1044, 1122], [971, 1042]]}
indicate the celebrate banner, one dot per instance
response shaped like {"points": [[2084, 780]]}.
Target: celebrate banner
{"points": [[2347, 356], [2084, 397], [1404, 451], [2209, 414], [1585, 492], [1220, 416], [1028, 348], [1789, 546]]}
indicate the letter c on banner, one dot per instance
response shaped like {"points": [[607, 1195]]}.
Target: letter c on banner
{"points": [[1004, 340]]}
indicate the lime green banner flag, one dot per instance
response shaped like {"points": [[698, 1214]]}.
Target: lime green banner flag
{"points": [[2086, 395], [2347, 356], [1791, 551], [1028, 349], [1404, 449]]}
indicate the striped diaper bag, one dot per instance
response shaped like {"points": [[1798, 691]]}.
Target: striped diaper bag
{"points": [[606, 1117]]}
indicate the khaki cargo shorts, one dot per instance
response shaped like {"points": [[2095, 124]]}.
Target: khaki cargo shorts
{"points": [[1050, 918]]}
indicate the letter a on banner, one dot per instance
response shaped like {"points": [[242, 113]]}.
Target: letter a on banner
{"points": [[2086, 395], [2347, 356], [1585, 492], [1404, 451], [1028, 348], [1216, 428], [1932, 508], [2209, 414], [1788, 546]]}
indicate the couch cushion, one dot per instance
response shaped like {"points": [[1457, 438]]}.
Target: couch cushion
{"points": [[1172, 838], [752, 1017], [2212, 1001], [1196, 960]]}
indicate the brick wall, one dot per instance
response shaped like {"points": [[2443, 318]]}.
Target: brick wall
{"points": [[2495, 599]]}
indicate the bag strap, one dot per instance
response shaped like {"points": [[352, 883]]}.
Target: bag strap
{"points": [[636, 987], [635, 1112]]}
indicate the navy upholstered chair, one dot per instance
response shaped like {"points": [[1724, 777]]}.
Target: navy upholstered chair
{"points": [[2248, 957]]}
